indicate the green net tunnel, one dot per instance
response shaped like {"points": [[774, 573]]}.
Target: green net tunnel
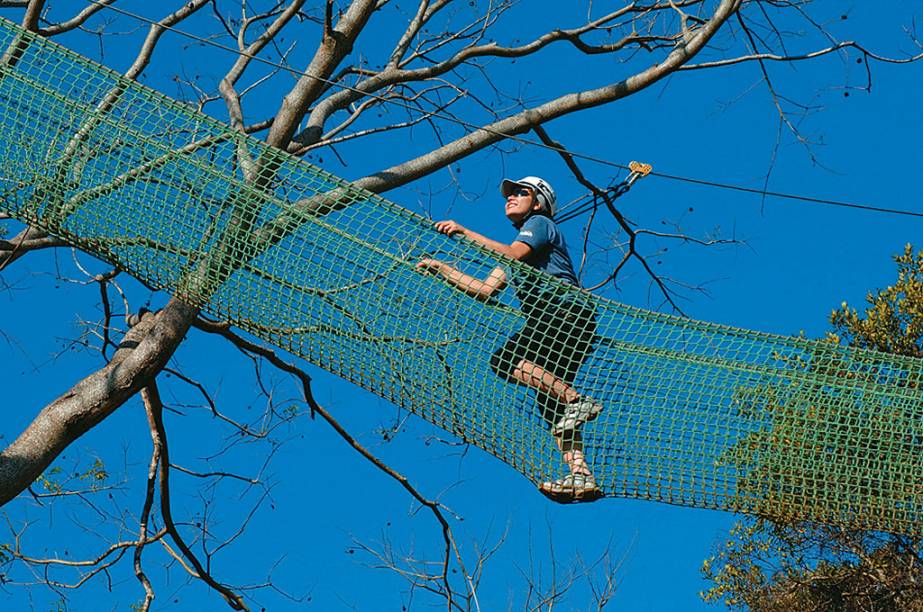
{"points": [[694, 413]]}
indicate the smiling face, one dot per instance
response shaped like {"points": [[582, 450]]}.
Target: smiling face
{"points": [[520, 204]]}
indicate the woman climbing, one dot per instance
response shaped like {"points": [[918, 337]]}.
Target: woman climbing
{"points": [[547, 352]]}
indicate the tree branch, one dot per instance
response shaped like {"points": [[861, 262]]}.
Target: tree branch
{"points": [[77, 20], [270, 355], [148, 503], [248, 52], [33, 14], [334, 47], [29, 239], [524, 121], [154, 409], [774, 57]]}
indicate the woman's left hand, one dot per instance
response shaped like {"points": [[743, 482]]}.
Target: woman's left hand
{"points": [[450, 227]]}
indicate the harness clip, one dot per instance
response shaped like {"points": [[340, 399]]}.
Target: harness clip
{"points": [[639, 168]]}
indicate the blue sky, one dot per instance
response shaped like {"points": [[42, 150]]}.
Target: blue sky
{"points": [[798, 262]]}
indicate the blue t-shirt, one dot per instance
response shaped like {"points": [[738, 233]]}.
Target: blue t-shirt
{"points": [[549, 253], [549, 250]]}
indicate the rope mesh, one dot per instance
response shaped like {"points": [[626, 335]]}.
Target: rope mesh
{"points": [[693, 413]]}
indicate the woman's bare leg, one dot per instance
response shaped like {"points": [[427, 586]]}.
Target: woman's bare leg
{"points": [[571, 445], [541, 379], [570, 442]]}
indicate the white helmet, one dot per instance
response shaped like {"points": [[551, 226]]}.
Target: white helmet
{"points": [[543, 191]]}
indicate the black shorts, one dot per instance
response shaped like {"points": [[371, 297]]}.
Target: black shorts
{"points": [[557, 337]]}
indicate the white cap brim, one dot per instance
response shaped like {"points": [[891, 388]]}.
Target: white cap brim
{"points": [[507, 186]]}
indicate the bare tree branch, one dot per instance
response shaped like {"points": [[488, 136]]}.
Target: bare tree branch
{"points": [[157, 30], [434, 506], [154, 410], [335, 46], [231, 98], [33, 14], [148, 503], [785, 58], [77, 20], [403, 173], [29, 239], [622, 221]]}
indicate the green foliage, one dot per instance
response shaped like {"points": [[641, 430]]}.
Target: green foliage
{"points": [[820, 452], [49, 480], [893, 320], [798, 565], [775, 567], [95, 473], [55, 480]]}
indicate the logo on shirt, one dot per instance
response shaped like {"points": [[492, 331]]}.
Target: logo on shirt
{"points": [[527, 234]]}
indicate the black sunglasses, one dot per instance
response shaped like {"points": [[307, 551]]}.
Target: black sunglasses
{"points": [[521, 192]]}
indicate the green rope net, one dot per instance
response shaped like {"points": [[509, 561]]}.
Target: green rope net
{"points": [[692, 413]]}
